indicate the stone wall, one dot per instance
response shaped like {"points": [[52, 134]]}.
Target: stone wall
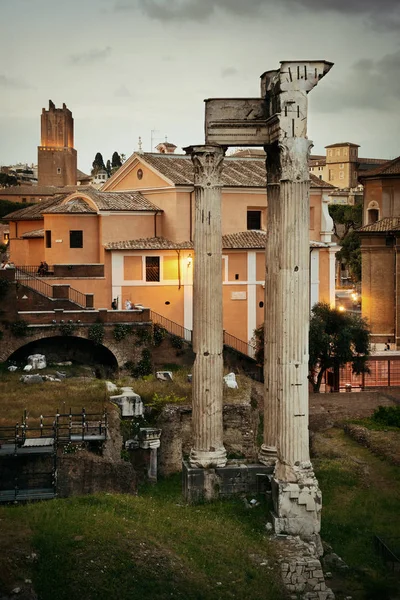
{"points": [[86, 473], [240, 426]]}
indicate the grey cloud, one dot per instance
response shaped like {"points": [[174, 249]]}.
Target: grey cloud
{"points": [[11, 83], [90, 57], [384, 14], [370, 85], [228, 72]]}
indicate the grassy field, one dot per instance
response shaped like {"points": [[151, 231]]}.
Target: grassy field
{"points": [[361, 498], [151, 546]]}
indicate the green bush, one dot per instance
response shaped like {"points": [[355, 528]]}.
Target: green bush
{"points": [[121, 331], [176, 342], [387, 415], [159, 333], [143, 336], [67, 328], [144, 366], [96, 333], [19, 328]]}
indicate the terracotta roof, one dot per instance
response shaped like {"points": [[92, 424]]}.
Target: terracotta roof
{"points": [[155, 243], [342, 144], [134, 201], [36, 233], [233, 241], [81, 175], [74, 206], [39, 190], [237, 172], [244, 239], [391, 167], [34, 212], [316, 182], [382, 226]]}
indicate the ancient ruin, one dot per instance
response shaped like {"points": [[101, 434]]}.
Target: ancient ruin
{"points": [[277, 121]]}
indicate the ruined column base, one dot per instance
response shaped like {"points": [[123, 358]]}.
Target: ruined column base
{"points": [[208, 459], [268, 455], [223, 482], [297, 506]]}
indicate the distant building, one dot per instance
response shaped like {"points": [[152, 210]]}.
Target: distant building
{"points": [[380, 246], [57, 158]]}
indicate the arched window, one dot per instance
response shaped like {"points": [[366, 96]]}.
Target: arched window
{"points": [[373, 212]]}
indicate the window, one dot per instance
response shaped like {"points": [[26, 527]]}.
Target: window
{"points": [[342, 165], [341, 175], [254, 219], [48, 238], [389, 241], [23, 199], [58, 171], [76, 239], [331, 175], [373, 215], [152, 268], [6, 237]]}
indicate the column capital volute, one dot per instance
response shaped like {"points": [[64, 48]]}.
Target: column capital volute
{"points": [[207, 164]]}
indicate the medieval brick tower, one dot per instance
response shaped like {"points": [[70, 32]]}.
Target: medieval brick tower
{"points": [[57, 162]]}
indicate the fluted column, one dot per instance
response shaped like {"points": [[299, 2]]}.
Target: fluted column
{"points": [[208, 450], [297, 498], [268, 452]]}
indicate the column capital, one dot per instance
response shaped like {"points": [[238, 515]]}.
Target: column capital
{"points": [[288, 159], [207, 162]]}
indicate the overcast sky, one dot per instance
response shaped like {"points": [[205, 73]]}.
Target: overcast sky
{"points": [[130, 68]]}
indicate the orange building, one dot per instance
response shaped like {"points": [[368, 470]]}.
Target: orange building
{"points": [[133, 239]]}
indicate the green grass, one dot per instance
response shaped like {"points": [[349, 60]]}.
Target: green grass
{"points": [[361, 498], [149, 546]]}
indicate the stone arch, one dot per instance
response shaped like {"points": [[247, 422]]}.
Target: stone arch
{"points": [[372, 212], [59, 348]]}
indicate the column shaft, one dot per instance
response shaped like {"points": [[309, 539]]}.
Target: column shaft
{"points": [[208, 449]]}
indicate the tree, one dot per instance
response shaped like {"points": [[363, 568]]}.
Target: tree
{"points": [[7, 180], [108, 168], [346, 220], [335, 338], [98, 164], [116, 161]]}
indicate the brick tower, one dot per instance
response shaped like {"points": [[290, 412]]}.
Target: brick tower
{"points": [[57, 162]]}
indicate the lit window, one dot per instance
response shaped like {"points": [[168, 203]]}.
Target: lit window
{"points": [[152, 268], [76, 239]]}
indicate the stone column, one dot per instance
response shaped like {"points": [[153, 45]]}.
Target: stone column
{"points": [[208, 450], [295, 492]]}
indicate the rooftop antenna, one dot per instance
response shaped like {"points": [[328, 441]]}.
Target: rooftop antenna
{"points": [[140, 149]]}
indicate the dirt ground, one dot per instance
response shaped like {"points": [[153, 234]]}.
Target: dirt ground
{"points": [[327, 410]]}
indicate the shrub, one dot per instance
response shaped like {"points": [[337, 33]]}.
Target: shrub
{"points": [[121, 331], [158, 401], [67, 328], [143, 336], [159, 333], [19, 328], [144, 366], [387, 415], [96, 333], [176, 342]]}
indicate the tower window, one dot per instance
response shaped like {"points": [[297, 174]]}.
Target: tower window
{"points": [[152, 268], [76, 239], [254, 219]]}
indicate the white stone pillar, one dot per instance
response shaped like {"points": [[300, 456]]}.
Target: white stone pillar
{"points": [[208, 450], [295, 492]]}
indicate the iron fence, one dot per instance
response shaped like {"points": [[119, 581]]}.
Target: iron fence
{"points": [[171, 326], [239, 345]]}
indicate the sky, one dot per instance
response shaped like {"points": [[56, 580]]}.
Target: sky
{"points": [[130, 68]]}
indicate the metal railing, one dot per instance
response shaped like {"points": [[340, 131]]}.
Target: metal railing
{"points": [[246, 348], [171, 326], [35, 283], [35, 271], [28, 276]]}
